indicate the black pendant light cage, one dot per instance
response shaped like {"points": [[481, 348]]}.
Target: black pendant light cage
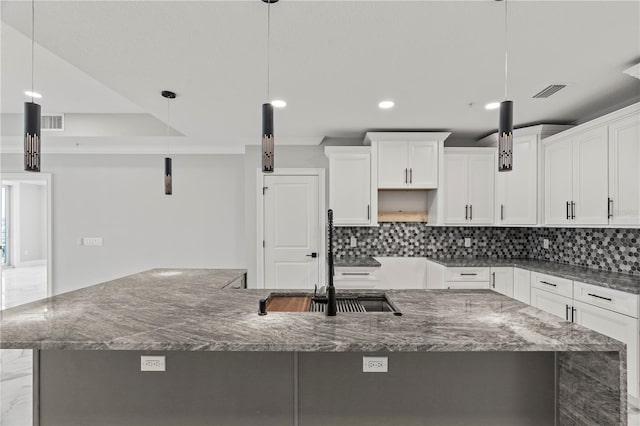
{"points": [[32, 116], [505, 137], [31, 137], [168, 172], [267, 138], [268, 141]]}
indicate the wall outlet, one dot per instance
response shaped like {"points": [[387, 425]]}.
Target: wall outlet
{"points": [[467, 242], [375, 364], [353, 242], [545, 243], [152, 363], [91, 241]]}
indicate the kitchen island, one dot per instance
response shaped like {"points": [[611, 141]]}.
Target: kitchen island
{"points": [[455, 357]]}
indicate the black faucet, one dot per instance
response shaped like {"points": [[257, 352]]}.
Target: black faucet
{"points": [[331, 290]]}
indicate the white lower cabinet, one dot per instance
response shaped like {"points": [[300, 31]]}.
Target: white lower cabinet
{"points": [[553, 303], [469, 285], [403, 272], [356, 277], [522, 285], [502, 281], [617, 326]]}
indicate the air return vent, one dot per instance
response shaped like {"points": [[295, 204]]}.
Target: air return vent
{"points": [[52, 122], [549, 90]]}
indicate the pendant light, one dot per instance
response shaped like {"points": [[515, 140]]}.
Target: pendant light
{"points": [[267, 108], [168, 176], [32, 115], [505, 130]]}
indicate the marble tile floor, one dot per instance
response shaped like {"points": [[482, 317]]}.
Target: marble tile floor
{"points": [[16, 387], [22, 285]]}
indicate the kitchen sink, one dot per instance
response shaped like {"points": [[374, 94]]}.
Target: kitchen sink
{"points": [[346, 303]]}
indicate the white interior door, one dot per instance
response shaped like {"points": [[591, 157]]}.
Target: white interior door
{"points": [[291, 232]]}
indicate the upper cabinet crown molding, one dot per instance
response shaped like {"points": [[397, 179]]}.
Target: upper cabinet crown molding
{"points": [[600, 121], [370, 137], [541, 130]]}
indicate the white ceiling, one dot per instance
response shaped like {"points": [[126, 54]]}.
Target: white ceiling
{"points": [[332, 61]]}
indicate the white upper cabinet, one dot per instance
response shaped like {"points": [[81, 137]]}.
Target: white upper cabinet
{"points": [[624, 171], [393, 171], [407, 164], [558, 180], [350, 194], [423, 164], [516, 191], [469, 185], [590, 177]]}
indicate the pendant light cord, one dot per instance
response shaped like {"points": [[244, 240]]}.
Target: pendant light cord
{"points": [[506, 54], [268, 51], [33, 32], [168, 120]]}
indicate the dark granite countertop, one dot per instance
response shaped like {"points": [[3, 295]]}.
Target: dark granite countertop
{"points": [[613, 280], [185, 310], [359, 261]]}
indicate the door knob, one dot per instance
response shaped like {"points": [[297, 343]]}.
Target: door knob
{"points": [[312, 255]]}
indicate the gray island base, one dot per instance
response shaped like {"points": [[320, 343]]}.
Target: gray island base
{"points": [[465, 357]]}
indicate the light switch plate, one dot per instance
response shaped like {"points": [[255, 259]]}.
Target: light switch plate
{"points": [[467, 242], [152, 363]]}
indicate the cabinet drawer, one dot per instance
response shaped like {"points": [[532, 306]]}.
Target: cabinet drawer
{"points": [[614, 300], [356, 274], [467, 274], [460, 285], [552, 284]]}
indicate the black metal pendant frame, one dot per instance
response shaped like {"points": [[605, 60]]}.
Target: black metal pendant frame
{"points": [[168, 177], [32, 137], [505, 137], [267, 138]]}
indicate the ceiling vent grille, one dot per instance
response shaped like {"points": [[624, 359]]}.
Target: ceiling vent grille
{"points": [[549, 90], [52, 122]]}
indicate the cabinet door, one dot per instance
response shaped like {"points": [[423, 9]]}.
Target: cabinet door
{"points": [[502, 281], [350, 188], [393, 170], [423, 164], [516, 191], [552, 303], [624, 172], [616, 326], [481, 187], [590, 177], [522, 285], [558, 182], [455, 188]]}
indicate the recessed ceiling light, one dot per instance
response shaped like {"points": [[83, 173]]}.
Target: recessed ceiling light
{"points": [[492, 105], [386, 104], [33, 94], [279, 103]]}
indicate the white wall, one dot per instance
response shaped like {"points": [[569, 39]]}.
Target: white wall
{"points": [[121, 198], [285, 157]]}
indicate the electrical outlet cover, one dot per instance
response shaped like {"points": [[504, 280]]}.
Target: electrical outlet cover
{"points": [[375, 364], [467, 242], [353, 242], [152, 363], [545, 243]]}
